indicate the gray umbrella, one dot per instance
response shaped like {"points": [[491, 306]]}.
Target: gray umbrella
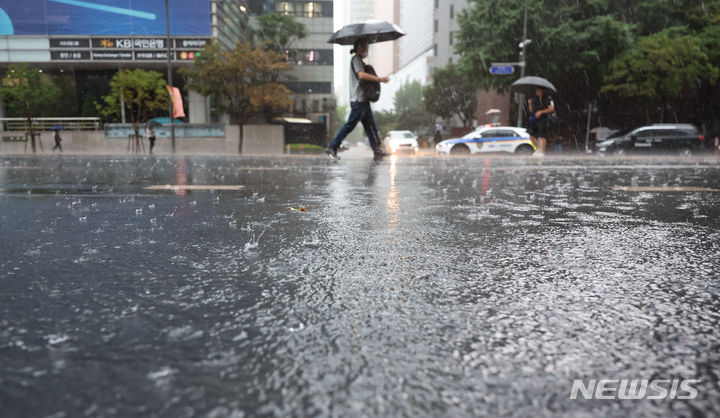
{"points": [[527, 85], [373, 30]]}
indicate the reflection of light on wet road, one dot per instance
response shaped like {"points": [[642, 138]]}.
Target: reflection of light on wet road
{"points": [[486, 178], [181, 176], [393, 207]]}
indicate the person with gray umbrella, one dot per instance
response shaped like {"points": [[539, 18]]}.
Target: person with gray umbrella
{"points": [[360, 110], [360, 35]]}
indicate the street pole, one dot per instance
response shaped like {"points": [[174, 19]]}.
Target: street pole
{"points": [[170, 77], [587, 128], [522, 63]]}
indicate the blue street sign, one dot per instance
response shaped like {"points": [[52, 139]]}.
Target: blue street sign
{"points": [[502, 69]]}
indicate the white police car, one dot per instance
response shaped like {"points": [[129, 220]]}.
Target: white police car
{"points": [[507, 139]]}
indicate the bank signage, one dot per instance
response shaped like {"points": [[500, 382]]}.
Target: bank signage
{"points": [[194, 43], [129, 43], [114, 48], [69, 55], [112, 56], [150, 55], [70, 43]]}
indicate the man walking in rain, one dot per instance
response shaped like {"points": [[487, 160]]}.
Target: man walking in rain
{"points": [[58, 140], [540, 105], [360, 110]]}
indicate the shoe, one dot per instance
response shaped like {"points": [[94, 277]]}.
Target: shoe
{"points": [[380, 154], [332, 153]]}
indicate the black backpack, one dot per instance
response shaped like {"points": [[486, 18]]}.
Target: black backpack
{"points": [[371, 89]]}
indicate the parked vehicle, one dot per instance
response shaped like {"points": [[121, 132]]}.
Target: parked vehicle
{"points": [[401, 142], [679, 138], [494, 139]]}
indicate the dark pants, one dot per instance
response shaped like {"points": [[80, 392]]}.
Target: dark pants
{"points": [[359, 112], [57, 146], [152, 143]]}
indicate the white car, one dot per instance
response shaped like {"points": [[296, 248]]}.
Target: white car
{"points": [[491, 139], [401, 141]]}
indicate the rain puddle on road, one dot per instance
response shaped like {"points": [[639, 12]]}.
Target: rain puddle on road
{"points": [[407, 287]]}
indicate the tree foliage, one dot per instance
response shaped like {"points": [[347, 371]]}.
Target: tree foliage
{"points": [[659, 66], [240, 80], [451, 93], [278, 32], [410, 108], [572, 42], [28, 92], [597, 49], [386, 120], [143, 92]]}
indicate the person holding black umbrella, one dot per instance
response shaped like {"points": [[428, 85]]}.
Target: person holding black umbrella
{"points": [[360, 110], [540, 105]]}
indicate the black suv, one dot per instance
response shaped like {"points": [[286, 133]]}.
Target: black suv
{"points": [[674, 138]]}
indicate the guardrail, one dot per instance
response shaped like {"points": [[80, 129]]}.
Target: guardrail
{"points": [[45, 124]]}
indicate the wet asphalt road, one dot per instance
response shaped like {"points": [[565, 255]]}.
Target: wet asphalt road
{"points": [[408, 287]]}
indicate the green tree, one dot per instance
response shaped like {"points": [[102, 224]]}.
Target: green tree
{"points": [[143, 93], [28, 92], [451, 93], [278, 32], [410, 108], [238, 80], [660, 67], [90, 106], [386, 120], [573, 42]]}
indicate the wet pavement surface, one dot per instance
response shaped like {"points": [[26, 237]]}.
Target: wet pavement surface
{"points": [[407, 287]]}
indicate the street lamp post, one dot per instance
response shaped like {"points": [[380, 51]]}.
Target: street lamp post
{"points": [[523, 44], [170, 77]]}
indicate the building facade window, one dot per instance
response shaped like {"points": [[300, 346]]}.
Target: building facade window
{"points": [[452, 11], [435, 26], [452, 35], [304, 9], [310, 56]]}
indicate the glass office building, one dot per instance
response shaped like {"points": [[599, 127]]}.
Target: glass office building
{"points": [[311, 77]]}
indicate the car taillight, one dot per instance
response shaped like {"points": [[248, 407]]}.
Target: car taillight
{"points": [[702, 138]]}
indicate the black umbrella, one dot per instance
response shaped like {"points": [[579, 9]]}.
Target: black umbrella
{"points": [[373, 30], [527, 85]]}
